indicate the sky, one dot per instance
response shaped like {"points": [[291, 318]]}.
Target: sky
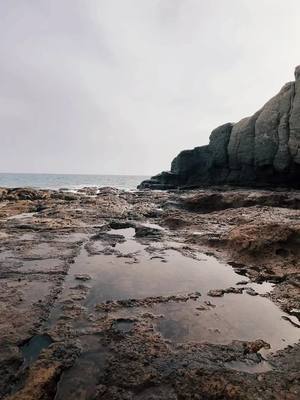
{"points": [[121, 86]]}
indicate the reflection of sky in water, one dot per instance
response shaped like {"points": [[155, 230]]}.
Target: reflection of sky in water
{"points": [[116, 278], [235, 317], [32, 349]]}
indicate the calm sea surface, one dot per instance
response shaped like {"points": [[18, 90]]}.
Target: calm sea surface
{"points": [[57, 181]]}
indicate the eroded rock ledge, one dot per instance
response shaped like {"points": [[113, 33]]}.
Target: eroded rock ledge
{"points": [[261, 150]]}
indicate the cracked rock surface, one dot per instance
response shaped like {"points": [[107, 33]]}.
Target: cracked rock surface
{"points": [[107, 294]]}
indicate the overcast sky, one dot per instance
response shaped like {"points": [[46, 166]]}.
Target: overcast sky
{"points": [[121, 86]]}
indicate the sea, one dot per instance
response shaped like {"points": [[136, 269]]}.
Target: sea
{"points": [[69, 181]]}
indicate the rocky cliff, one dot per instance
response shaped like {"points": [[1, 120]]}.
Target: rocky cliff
{"points": [[261, 150]]}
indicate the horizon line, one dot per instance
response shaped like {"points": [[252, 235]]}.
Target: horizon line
{"points": [[69, 173]]}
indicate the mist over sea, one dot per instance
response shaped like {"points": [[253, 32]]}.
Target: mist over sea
{"points": [[69, 181]]}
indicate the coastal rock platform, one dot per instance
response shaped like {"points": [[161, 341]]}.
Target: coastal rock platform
{"points": [[149, 295]]}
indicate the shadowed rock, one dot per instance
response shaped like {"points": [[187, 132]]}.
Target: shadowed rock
{"points": [[261, 150]]}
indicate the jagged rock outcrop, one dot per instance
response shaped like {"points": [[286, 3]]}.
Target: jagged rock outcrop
{"points": [[261, 150]]}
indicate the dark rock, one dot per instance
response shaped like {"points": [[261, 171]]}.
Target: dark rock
{"points": [[83, 277], [121, 224], [294, 321], [14, 194], [251, 292], [261, 150], [216, 293], [208, 200], [221, 292], [255, 346], [110, 238], [142, 231]]}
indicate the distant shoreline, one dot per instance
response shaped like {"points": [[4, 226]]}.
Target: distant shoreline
{"points": [[69, 181]]}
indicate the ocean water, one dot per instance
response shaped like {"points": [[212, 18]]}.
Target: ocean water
{"points": [[68, 181]]}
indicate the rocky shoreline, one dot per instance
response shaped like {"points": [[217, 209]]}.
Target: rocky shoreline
{"points": [[101, 296], [259, 151]]}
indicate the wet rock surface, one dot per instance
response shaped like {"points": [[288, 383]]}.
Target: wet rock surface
{"points": [[107, 294]]}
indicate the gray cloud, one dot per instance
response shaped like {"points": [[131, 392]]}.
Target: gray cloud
{"points": [[121, 86]]}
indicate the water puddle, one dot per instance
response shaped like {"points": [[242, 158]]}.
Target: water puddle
{"points": [[80, 382], [137, 273], [32, 349], [132, 272], [115, 266], [232, 317]]}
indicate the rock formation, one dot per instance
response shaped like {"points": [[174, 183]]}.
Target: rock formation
{"points": [[261, 150]]}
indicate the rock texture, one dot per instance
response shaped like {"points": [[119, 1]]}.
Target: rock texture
{"points": [[124, 329], [261, 150]]}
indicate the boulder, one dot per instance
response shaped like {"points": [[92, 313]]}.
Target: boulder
{"points": [[258, 151]]}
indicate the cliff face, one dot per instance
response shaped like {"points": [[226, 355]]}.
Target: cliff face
{"points": [[261, 150]]}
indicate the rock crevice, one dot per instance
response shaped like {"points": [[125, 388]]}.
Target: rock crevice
{"points": [[261, 150]]}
